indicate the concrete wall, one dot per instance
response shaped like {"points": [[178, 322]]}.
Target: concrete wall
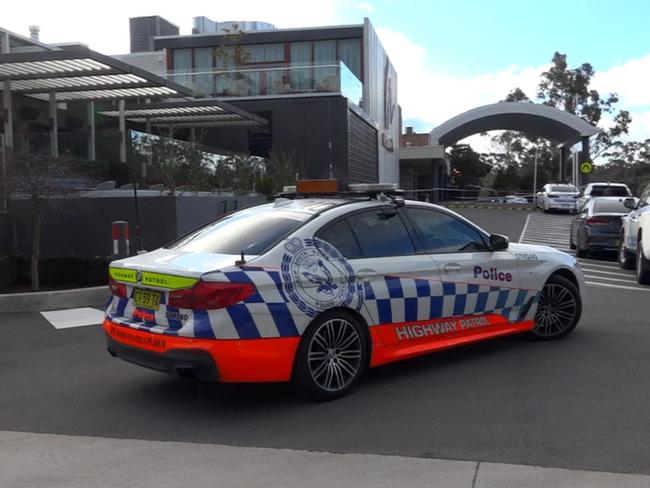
{"points": [[380, 102], [82, 226]]}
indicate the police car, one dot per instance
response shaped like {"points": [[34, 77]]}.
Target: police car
{"points": [[557, 197], [316, 287]]}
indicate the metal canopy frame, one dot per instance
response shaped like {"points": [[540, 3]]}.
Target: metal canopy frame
{"points": [[77, 74], [205, 112], [82, 74]]}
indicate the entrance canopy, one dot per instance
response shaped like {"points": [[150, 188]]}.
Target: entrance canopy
{"points": [[80, 74], [532, 118], [189, 113]]}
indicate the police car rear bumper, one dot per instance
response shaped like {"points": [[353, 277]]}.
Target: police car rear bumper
{"points": [[250, 360]]}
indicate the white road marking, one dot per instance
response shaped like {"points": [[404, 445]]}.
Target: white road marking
{"points": [[611, 285], [554, 230], [74, 317]]}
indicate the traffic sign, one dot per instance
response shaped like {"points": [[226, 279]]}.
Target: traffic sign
{"points": [[586, 167]]}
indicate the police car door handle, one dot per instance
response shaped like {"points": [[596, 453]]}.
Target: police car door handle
{"points": [[452, 268], [366, 274]]}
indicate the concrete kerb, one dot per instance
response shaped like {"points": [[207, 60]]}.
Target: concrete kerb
{"points": [[52, 300]]}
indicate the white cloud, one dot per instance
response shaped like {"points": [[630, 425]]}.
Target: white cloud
{"points": [[430, 96], [107, 29]]}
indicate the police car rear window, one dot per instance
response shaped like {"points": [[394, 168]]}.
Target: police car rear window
{"points": [[248, 231]]}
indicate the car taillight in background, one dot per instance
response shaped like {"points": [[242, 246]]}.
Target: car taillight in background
{"points": [[597, 221], [211, 295], [117, 289]]}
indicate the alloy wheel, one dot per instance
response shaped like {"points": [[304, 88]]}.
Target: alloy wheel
{"points": [[556, 311], [335, 355]]}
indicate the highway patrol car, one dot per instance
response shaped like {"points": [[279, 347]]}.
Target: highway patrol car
{"points": [[314, 288]]}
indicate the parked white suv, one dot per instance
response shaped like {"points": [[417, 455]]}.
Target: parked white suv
{"points": [[603, 190], [634, 244]]}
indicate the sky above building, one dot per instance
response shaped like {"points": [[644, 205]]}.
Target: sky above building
{"points": [[450, 55]]}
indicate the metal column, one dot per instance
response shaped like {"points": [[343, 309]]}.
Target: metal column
{"points": [[54, 127], [564, 152], [91, 131], [586, 156], [122, 132]]}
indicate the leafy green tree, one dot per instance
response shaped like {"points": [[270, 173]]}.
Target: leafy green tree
{"points": [[567, 89], [467, 166]]}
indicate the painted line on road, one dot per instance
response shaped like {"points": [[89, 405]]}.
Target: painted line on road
{"points": [[612, 285], [598, 271], [523, 231], [74, 317], [607, 278]]}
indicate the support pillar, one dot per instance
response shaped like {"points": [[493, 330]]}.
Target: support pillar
{"points": [[149, 160], [564, 153], [122, 118], [8, 116], [54, 127], [91, 131], [586, 156]]}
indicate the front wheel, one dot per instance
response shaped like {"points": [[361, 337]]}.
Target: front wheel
{"points": [[331, 357], [642, 265], [558, 311]]}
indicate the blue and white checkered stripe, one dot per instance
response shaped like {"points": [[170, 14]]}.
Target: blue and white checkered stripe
{"points": [[269, 313], [266, 314], [401, 299]]}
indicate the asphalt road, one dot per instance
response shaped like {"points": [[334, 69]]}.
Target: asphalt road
{"points": [[579, 403]]}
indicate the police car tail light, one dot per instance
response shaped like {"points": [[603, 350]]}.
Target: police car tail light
{"points": [[117, 289], [210, 295]]}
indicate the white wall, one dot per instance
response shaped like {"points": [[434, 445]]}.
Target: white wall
{"points": [[380, 102]]}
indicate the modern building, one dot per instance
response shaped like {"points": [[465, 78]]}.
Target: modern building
{"points": [[203, 25], [329, 95], [144, 29]]}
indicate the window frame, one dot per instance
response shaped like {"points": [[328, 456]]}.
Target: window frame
{"points": [[482, 234], [417, 248]]}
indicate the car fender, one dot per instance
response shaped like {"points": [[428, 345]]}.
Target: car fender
{"points": [[644, 231]]}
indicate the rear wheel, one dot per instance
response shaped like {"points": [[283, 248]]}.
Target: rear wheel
{"points": [[558, 310], [642, 265], [332, 356], [625, 257]]}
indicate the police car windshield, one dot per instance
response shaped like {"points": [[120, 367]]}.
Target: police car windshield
{"points": [[249, 231]]}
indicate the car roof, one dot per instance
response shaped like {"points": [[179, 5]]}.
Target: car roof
{"points": [[606, 183]]}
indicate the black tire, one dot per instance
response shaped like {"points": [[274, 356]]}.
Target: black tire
{"points": [[332, 356], [571, 243], [558, 311], [625, 257], [581, 253], [642, 265]]}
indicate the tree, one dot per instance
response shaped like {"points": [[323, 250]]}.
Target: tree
{"points": [[36, 177], [281, 169], [467, 166], [570, 90]]}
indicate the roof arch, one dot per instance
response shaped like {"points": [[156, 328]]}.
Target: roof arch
{"points": [[532, 118]]}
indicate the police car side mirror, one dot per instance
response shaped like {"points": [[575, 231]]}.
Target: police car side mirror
{"points": [[630, 203], [498, 242]]}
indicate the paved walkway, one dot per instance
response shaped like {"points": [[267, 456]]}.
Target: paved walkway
{"points": [[58, 461]]}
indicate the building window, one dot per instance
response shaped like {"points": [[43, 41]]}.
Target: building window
{"points": [[350, 54], [301, 70], [203, 58], [182, 66], [264, 53]]}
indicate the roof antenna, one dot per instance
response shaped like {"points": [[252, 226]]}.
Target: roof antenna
{"points": [[241, 261]]}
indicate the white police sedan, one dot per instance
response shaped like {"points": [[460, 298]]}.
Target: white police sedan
{"points": [[314, 288]]}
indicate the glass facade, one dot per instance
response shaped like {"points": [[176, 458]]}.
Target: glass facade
{"points": [[272, 69]]}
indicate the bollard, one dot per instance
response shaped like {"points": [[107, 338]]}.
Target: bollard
{"points": [[121, 238]]}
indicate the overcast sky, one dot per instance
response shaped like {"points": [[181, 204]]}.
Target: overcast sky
{"points": [[450, 55]]}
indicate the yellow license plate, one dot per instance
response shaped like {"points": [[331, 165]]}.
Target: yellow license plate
{"points": [[147, 299]]}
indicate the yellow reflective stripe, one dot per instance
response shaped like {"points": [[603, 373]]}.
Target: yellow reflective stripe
{"points": [[167, 281], [121, 274], [152, 279]]}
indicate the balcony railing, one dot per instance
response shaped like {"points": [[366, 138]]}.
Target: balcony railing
{"points": [[273, 81]]}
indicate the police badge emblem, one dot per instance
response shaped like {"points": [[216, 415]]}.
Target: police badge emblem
{"points": [[316, 277]]}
